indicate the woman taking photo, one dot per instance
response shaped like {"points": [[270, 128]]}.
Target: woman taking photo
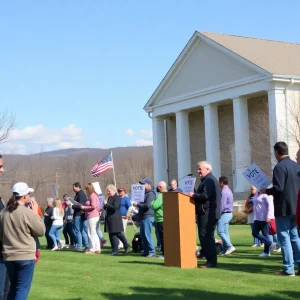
{"points": [[113, 220], [91, 209], [19, 226], [58, 222]]}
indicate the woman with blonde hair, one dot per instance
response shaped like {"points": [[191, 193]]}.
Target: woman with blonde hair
{"points": [[91, 209], [57, 217], [250, 213], [113, 220]]}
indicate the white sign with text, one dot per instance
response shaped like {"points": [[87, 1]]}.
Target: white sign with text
{"points": [[257, 177], [189, 185], [101, 201], [137, 192]]}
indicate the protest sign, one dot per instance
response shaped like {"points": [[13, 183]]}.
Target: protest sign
{"points": [[97, 188], [137, 192], [257, 177], [101, 200], [54, 193], [189, 185]]}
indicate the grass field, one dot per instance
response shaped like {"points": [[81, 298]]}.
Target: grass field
{"points": [[67, 275]]}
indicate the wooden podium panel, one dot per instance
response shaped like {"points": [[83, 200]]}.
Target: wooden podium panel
{"points": [[179, 230]]}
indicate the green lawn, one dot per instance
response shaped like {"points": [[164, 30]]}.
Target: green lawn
{"points": [[67, 275]]}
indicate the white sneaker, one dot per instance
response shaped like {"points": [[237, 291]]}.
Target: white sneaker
{"points": [[264, 254], [278, 250], [55, 248], [229, 251], [273, 247]]}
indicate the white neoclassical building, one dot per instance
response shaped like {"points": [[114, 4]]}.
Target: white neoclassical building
{"points": [[226, 99]]}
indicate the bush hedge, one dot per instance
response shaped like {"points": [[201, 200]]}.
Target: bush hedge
{"points": [[239, 217]]}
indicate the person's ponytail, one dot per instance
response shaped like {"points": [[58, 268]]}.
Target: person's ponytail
{"points": [[13, 203]]}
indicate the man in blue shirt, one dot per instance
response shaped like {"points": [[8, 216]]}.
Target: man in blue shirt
{"points": [[174, 187], [226, 215], [125, 205]]}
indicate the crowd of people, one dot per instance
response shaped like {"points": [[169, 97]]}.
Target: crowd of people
{"points": [[271, 215]]}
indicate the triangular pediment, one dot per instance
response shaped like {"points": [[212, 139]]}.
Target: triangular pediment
{"points": [[203, 65]]}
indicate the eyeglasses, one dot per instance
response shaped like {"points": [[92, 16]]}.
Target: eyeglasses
{"points": [[119, 191]]}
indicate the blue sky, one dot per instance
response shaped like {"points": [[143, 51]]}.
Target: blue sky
{"points": [[78, 73]]}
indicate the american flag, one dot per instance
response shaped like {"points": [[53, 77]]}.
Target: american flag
{"points": [[105, 164]]}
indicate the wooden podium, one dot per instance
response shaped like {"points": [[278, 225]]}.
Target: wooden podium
{"points": [[179, 230]]}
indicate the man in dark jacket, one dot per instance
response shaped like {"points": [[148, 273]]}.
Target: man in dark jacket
{"points": [[48, 222], [208, 208], [4, 280], [147, 218], [79, 221], [286, 184]]}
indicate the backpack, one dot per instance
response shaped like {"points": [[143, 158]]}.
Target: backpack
{"points": [[137, 245]]}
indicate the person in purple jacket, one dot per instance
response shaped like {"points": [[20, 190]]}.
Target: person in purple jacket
{"points": [[226, 216]]}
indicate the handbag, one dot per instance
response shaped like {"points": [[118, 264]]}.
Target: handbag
{"points": [[272, 228]]}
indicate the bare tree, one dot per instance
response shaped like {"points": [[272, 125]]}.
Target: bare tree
{"points": [[7, 124]]}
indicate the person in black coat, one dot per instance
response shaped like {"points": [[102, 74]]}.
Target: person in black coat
{"points": [[286, 184], [208, 208], [48, 222], [113, 220]]}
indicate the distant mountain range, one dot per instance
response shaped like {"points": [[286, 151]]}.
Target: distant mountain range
{"points": [[118, 151]]}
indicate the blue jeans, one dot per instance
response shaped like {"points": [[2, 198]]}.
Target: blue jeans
{"points": [[288, 239], [265, 239], [55, 234], [80, 230], [99, 232], [145, 231], [158, 242], [255, 241], [20, 274], [4, 281], [223, 230]]}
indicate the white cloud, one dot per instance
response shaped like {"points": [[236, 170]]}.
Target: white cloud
{"points": [[129, 132], [146, 134], [99, 145], [144, 142], [146, 138], [35, 138]]}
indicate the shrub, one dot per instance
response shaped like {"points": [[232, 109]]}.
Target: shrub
{"points": [[239, 217]]}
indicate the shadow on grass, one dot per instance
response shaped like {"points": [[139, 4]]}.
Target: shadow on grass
{"points": [[139, 262], [251, 256], [248, 268], [164, 293]]}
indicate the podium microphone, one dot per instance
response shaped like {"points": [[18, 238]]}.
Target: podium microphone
{"points": [[188, 175]]}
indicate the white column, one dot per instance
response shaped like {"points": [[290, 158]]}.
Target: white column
{"points": [[277, 120], [241, 144], [159, 150], [212, 141], [183, 144]]}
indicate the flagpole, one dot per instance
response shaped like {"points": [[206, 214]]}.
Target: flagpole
{"points": [[113, 168]]}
